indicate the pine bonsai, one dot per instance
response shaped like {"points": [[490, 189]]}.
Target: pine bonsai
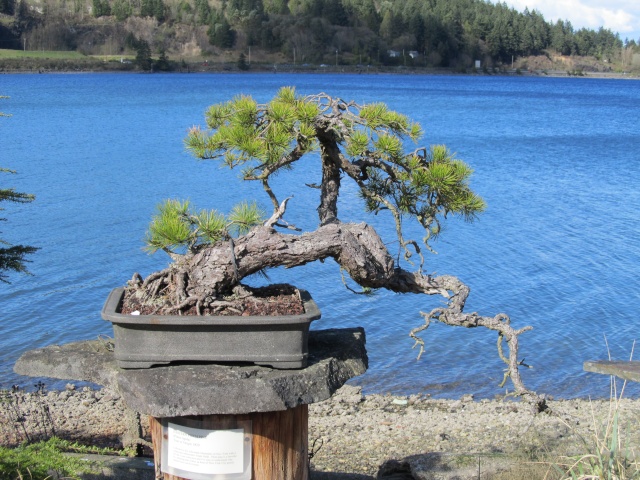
{"points": [[364, 144]]}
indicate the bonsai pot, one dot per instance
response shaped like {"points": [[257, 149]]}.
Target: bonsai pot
{"points": [[142, 341]]}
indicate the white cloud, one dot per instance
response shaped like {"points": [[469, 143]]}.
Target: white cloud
{"points": [[621, 16]]}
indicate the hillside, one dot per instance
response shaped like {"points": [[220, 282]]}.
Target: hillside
{"points": [[342, 34]]}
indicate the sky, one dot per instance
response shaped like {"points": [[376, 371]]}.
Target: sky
{"points": [[620, 16]]}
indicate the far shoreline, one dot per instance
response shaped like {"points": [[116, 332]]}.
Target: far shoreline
{"points": [[99, 67]]}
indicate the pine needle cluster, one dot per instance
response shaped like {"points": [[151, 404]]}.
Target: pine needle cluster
{"points": [[177, 228], [373, 142], [13, 257]]}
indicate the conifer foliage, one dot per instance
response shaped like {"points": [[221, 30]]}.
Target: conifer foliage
{"points": [[407, 33], [12, 257]]}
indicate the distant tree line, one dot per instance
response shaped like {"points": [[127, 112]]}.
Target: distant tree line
{"points": [[422, 32]]}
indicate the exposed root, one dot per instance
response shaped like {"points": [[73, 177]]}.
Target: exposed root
{"points": [[136, 280], [240, 291], [229, 306], [186, 304], [181, 290], [155, 276], [159, 283]]}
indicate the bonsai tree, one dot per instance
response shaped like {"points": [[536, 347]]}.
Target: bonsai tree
{"points": [[364, 144], [12, 257]]}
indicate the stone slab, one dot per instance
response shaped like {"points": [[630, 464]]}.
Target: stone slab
{"points": [[335, 356], [443, 466], [627, 370]]}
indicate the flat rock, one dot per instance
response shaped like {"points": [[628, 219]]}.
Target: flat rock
{"points": [[627, 370], [335, 356], [88, 361], [441, 466]]}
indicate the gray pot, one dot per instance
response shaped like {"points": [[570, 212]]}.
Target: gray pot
{"points": [[145, 340]]}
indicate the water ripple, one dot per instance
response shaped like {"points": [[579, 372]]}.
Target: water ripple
{"points": [[555, 159]]}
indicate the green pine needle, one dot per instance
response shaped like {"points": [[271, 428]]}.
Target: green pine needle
{"points": [[265, 139], [245, 216], [212, 225], [170, 228]]}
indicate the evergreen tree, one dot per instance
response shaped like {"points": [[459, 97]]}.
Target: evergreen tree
{"points": [[203, 12], [143, 55], [12, 257], [242, 62], [562, 37], [153, 8], [25, 19], [101, 8], [585, 42], [162, 64], [159, 9], [122, 10], [390, 26], [277, 7], [608, 44], [220, 32], [7, 7], [363, 13], [333, 11], [363, 147]]}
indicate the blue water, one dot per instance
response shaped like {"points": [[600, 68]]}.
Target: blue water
{"points": [[557, 160]]}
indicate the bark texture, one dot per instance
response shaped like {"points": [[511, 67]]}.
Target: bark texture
{"points": [[359, 250], [279, 441]]}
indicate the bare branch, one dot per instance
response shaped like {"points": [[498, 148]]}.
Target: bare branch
{"points": [[277, 215]]}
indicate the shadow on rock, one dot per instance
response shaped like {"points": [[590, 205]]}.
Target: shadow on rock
{"points": [[445, 466], [339, 476]]}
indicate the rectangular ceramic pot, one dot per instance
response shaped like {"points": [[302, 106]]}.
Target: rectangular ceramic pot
{"points": [[142, 341]]}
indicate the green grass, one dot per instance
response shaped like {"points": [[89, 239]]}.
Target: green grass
{"points": [[48, 460], [18, 54], [39, 461]]}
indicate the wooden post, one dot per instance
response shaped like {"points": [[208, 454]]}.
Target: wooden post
{"points": [[280, 442], [277, 438]]}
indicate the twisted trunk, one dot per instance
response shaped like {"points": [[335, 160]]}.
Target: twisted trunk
{"points": [[359, 250]]}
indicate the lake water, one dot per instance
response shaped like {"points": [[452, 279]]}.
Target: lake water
{"points": [[557, 160]]}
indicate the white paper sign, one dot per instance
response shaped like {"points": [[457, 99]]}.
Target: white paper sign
{"points": [[212, 452]]}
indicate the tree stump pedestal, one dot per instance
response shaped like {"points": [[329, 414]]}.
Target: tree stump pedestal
{"points": [[278, 445], [212, 421]]}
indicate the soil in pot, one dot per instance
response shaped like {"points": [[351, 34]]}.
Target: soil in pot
{"points": [[276, 299]]}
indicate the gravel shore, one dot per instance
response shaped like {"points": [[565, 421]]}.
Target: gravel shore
{"points": [[350, 434]]}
